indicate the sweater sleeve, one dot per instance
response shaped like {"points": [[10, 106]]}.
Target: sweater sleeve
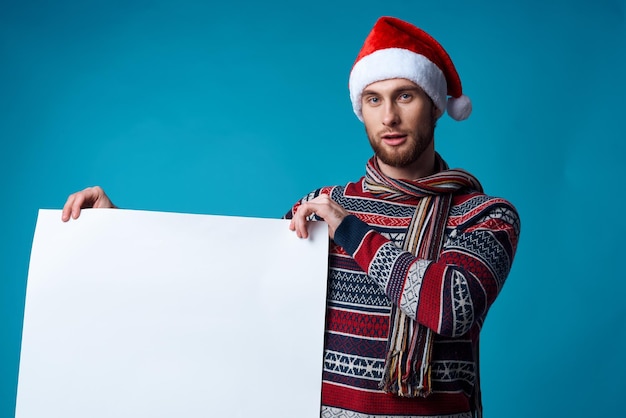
{"points": [[451, 294]]}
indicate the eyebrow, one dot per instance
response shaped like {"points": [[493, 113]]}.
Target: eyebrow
{"points": [[397, 90]]}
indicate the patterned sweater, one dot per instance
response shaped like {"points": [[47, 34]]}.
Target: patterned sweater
{"points": [[368, 271]]}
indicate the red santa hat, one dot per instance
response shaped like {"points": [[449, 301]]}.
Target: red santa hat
{"points": [[397, 49]]}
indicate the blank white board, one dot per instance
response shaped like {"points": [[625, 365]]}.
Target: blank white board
{"points": [[152, 314]]}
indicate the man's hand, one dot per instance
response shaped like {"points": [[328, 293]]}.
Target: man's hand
{"points": [[91, 197], [322, 206]]}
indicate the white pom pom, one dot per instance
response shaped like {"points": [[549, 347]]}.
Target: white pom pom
{"points": [[459, 108]]}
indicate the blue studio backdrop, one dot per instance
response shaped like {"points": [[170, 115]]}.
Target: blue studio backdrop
{"points": [[240, 108]]}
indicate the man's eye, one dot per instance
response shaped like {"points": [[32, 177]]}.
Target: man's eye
{"points": [[405, 96]]}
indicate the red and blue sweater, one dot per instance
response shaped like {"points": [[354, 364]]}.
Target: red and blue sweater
{"points": [[368, 271]]}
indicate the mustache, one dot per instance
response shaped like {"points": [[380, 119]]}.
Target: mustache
{"points": [[383, 132]]}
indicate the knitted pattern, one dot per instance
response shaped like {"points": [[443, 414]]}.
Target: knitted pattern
{"points": [[368, 271]]}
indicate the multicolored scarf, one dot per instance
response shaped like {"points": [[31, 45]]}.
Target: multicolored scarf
{"points": [[409, 347]]}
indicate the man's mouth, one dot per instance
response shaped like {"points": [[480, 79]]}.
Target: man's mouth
{"points": [[394, 139]]}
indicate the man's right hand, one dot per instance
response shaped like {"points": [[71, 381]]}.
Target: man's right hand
{"points": [[91, 197]]}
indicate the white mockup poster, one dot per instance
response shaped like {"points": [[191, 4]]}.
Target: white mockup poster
{"points": [[152, 314]]}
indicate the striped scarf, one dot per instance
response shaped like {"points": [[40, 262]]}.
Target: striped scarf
{"points": [[409, 347]]}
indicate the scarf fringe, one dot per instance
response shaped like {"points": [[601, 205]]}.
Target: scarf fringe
{"points": [[402, 376]]}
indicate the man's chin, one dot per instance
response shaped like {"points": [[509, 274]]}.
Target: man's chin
{"points": [[397, 161]]}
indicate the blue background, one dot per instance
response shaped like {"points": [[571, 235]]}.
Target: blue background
{"points": [[241, 108]]}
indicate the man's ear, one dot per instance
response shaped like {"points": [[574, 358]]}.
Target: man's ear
{"points": [[437, 113]]}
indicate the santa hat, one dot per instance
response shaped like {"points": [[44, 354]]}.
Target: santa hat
{"points": [[397, 49]]}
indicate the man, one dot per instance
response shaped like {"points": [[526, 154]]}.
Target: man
{"points": [[418, 254]]}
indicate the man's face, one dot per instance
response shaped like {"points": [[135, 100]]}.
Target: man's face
{"points": [[399, 120]]}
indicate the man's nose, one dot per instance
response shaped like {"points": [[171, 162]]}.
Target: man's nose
{"points": [[391, 116]]}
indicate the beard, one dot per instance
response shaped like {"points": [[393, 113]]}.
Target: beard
{"points": [[417, 142]]}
